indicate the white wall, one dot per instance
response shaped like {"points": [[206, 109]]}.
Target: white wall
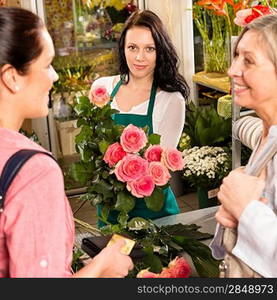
{"points": [[177, 17]]}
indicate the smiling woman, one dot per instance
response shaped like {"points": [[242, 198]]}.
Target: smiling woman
{"points": [[26, 76], [252, 65], [249, 193], [149, 91]]}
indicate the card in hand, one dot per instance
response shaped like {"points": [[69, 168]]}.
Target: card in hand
{"points": [[127, 248]]}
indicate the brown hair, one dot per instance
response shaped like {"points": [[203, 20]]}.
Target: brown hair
{"points": [[20, 38], [166, 74]]}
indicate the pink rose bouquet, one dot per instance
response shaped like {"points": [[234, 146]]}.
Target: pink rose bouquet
{"points": [[143, 166], [119, 164]]}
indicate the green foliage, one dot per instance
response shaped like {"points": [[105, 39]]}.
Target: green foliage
{"points": [[205, 127], [161, 244], [76, 263], [98, 131], [72, 78]]}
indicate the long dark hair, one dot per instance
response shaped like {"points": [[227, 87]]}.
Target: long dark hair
{"points": [[19, 38], [166, 74]]}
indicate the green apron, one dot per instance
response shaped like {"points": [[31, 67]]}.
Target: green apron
{"points": [[140, 210]]}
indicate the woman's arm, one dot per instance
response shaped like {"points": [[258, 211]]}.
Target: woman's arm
{"points": [[256, 244], [257, 239], [37, 222], [109, 263]]}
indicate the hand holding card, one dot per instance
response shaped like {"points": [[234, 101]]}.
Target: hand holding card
{"points": [[127, 248]]}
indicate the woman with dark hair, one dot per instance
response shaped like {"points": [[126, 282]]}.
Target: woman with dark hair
{"points": [[149, 91], [36, 224]]}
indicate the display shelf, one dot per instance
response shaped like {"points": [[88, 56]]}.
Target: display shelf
{"points": [[216, 81]]}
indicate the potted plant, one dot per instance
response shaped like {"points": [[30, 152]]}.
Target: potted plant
{"points": [[205, 167], [205, 127], [73, 81]]}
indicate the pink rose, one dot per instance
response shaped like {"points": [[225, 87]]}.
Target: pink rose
{"points": [[131, 167], [144, 186], [159, 173], [153, 153], [166, 273], [172, 159], [179, 268], [114, 154], [133, 139], [99, 96]]}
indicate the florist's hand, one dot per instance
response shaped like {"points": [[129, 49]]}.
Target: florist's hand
{"points": [[238, 190], [109, 263], [112, 263], [225, 218]]}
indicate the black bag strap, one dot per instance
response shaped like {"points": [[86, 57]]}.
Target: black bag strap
{"points": [[12, 167]]}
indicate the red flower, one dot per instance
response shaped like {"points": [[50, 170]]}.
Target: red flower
{"points": [[179, 268], [257, 11]]}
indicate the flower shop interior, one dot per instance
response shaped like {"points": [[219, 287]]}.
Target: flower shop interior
{"points": [[85, 35]]}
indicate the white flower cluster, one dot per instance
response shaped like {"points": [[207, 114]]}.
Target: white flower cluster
{"points": [[205, 161]]}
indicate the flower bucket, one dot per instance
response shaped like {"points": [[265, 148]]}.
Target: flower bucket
{"points": [[207, 198], [178, 184], [67, 132]]}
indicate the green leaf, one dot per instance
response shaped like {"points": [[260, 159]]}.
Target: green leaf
{"points": [[205, 264], [83, 107], [118, 185], [97, 199], [187, 230], [154, 139], [81, 122], [102, 187], [125, 202], [103, 146], [138, 224], [79, 172], [83, 100], [154, 262], [123, 219], [205, 127], [105, 174], [85, 135], [87, 197], [155, 202], [85, 153], [105, 213]]}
